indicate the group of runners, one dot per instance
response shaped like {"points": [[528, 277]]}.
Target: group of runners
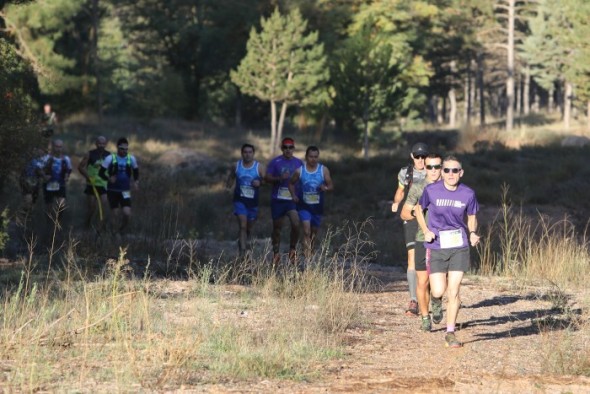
{"points": [[438, 211], [110, 178], [297, 195], [440, 223]]}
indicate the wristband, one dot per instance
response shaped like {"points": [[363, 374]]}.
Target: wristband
{"points": [[472, 232]]}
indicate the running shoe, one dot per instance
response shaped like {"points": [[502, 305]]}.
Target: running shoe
{"points": [[412, 308], [426, 325], [437, 311], [451, 341]]}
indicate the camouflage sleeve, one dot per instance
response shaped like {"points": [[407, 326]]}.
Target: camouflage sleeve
{"points": [[414, 193], [401, 177]]}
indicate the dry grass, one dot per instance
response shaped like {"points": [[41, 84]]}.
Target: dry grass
{"points": [[547, 252], [532, 249], [116, 333]]}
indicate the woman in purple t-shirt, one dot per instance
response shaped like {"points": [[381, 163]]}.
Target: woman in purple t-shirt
{"points": [[448, 235]]}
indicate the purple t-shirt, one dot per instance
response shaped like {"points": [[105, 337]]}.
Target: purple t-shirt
{"points": [[278, 166], [447, 212]]}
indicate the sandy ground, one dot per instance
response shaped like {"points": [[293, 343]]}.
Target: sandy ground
{"points": [[506, 333]]}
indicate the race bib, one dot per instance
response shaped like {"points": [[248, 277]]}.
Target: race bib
{"points": [[52, 186], [126, 194], [284, 194], [311, 198], [246, 191], [451, 239]]}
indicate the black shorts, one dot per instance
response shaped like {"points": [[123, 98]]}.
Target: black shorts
{"points": [[48, 196], [116, 199], [445, 260], [99, 189], [420, 256], [410, 230]]}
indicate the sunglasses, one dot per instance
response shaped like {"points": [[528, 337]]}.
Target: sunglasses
{"points": [[453, 170], [433, 167], [420, 157], [288, 147]]}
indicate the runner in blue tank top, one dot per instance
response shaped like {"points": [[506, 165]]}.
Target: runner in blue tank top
{"points": [[57, 170], [279, 171], [247, 174], [122, 173], [313, 179]]}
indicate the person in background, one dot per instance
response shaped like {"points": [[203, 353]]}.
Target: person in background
{"points": [[247, 175], [121, 172], [30, 183], [433, 164], [408, 175], [57, 168], [48, 121], [96, 187], [278, 173], [312, 179]]}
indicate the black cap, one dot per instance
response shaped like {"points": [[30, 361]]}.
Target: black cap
{"points": [[420, 149]]}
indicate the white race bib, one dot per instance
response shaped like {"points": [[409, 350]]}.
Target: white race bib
{"points": [[52, 186], [311, 198], [126, 194], [246, 191], [451, 239], [284, 194]]}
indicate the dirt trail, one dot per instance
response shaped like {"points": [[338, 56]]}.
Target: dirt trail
{"points": [[505, 334]]}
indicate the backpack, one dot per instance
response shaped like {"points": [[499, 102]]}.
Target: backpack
{"points": [[408, 180], [113, 166]]}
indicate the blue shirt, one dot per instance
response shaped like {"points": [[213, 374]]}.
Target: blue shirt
{"points": [[311, 197], [244, 191]]}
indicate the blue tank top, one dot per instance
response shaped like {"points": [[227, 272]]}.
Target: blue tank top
{"points": [[310, 195], [244, 191]]}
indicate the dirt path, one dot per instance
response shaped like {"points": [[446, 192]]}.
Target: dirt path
{"points": [[506, 334]]}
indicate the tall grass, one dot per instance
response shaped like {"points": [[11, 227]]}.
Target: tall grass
{"points": [[68, 331], [534, 248], [551, 253]]}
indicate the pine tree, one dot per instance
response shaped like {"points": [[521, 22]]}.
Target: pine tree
{"points": [[283, 65]]}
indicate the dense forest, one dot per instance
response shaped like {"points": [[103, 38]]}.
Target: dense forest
{"points": [[353, 65]]}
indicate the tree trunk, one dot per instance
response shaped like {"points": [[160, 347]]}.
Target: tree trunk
{"points": [[526, 92], [550, 104], [510, 79], [238, 115], [95, 59], [273, 128], [366, 130], [518, 98], [567, 104], [588, 115], [468, 97], [432, 108], [440, 102], [480, 88], [366, 140], [319, 128], [453, 109], [281, 123]]}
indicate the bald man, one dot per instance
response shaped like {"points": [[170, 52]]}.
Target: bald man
{"points": [[96, 187]]}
